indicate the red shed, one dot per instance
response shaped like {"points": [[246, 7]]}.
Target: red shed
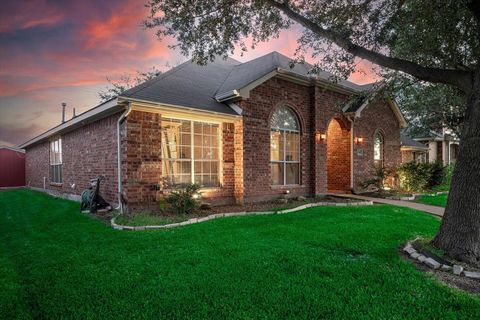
{"points": [[12, 167]]}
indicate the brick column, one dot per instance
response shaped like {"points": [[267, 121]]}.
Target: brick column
{"points": [[320, 148], [239, 186], [141, 158]]}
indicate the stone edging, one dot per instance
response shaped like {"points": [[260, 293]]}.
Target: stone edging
{"points": [[434, 264], [411, 198], [415, 195], [233, 214]]}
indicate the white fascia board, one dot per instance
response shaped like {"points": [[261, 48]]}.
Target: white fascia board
{"points": [[158, 105], [13, 149], [88, 116]]}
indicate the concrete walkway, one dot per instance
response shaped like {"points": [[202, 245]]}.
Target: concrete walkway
{"points": [[435, 210]]}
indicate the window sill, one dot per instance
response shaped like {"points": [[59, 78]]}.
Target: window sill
{"points": [[211, 189], [288, 186], [56, 184]]}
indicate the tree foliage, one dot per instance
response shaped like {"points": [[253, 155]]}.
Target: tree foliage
{"points": [[422, 38], [125, 82], [429, 107]]}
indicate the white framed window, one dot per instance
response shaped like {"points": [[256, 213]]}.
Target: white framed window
{"points": [[190, 152], [284, 147], [56, 160], [378, 149]]}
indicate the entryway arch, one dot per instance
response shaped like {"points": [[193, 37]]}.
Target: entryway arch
{"points": [[338, 156]]}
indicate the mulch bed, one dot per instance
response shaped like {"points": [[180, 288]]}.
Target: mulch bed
{"points": [[458, 282], [273, 205], [454, 281]]}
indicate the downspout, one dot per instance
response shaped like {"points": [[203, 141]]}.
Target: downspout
{"points": [[119, 156], [352, 121]]}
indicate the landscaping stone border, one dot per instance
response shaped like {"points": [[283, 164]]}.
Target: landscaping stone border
{"points": [[234, 214], [434, 264], [411, 198], [415, 195]]}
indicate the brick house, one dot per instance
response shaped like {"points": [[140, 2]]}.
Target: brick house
{"points": [[245, 131], [412, 150]]}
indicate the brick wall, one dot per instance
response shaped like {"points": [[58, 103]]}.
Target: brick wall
{"points": [[141, 160], [376, 117], [338, 156], [407, 156], [316, 107], [142, 163], [87, 152], [257, 111]]}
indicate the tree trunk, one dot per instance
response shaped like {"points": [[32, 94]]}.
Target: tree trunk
{"points": [[459, 234]]}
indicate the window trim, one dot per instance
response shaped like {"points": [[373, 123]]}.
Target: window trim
{"points": [[284, 162], [192, 146], [56, 179], [382, 148]]}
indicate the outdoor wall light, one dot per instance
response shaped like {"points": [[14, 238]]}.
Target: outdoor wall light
{"points": [[319, 137], [358, 140]]}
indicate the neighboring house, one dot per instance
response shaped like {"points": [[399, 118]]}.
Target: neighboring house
{"points": [[442, 146], [412, 150], [245, 131], [12, 167]]}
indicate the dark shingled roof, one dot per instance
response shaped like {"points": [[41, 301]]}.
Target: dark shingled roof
{"points": [[187, 85], [406, 141], [248, 72], [195, 86]]}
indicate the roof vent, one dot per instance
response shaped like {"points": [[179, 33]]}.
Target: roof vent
{"points": [[64, 105]]}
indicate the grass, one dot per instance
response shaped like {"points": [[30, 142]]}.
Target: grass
{"points": [[324, 262], [145, 219], [441, 187], [437, 200], [426, 244]]}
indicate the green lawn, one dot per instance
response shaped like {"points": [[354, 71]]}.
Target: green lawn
{"points": [[337, 262], [437, 200]]}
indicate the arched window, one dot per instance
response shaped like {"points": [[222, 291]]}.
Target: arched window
{"points": [[378, 143], [284, 147]]}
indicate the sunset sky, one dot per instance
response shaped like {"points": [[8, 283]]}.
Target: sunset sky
{"points": [[54, 51]]}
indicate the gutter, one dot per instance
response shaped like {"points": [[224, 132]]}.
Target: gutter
{"points": [[227, 95], [119, 156]]}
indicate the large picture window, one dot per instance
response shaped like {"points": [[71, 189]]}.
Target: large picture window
{"points": [[284, 147], [56, 161], [378, 150], [190, 152]]}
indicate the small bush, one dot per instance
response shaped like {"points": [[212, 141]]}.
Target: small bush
{"points": [[380, 178], [420, 176], [183, 200], [437, 173], [448, 173]]}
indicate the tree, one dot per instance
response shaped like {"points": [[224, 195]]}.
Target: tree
{"points": [[125, 82], [430, 107], [432, 41]]}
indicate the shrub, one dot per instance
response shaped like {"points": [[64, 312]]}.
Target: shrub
{"points": [[183, 200], [380, 178], [420, 176], [448, 173], [437, 173]]}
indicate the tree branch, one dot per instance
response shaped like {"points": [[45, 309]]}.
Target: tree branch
{"points": [[458, 78]]}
